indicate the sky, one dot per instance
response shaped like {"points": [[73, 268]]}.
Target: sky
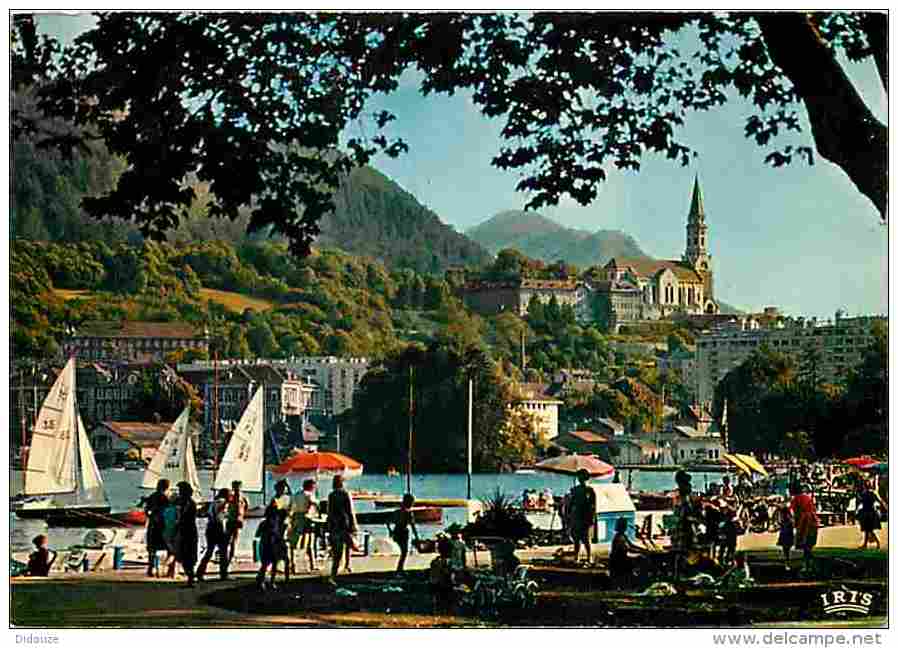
{"points": [[802, 237]]}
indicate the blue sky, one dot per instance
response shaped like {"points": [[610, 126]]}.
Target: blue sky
{"points": [[801, 237]]}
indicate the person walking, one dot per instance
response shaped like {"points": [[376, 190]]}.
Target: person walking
{"points": [[341, 523], [186, 536], [804, 509], [400, 532], [868, 516], [301, 532], [216, 536], [582, 514], [169, 533], [271, 534], [153, 506], [237, 509], [786, 537]]}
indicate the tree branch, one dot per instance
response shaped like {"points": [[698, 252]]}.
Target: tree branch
{"points": [[876, 27], [845, 131]]}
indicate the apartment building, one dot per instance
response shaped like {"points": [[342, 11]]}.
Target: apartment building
{"points": [[286, 395], [836, 346], [337, 379], [330, 382]]}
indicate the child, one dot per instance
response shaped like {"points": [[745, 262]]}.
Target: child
{"points": [[458, 558], [405, 520], [731, 532], [441, 578], [787, 533], [39, 562]]}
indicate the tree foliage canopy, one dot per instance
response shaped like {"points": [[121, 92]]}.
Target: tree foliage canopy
{"points": [[435, 379], [257, 105]]}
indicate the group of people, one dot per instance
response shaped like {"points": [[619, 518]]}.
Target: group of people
{"points": [[171, 527], [287, 526], [537, 500]]}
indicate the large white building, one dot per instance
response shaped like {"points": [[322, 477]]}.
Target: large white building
{"points": [[334, 379], [337, 379], [834, 347]]}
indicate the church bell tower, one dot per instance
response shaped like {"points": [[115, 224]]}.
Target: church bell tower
{"points": [[697, 241]]}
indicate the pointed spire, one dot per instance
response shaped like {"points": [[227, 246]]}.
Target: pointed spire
{"points": [[697, 210]]}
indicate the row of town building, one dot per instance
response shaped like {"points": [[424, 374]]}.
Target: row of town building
{"points": [[294, 391]]}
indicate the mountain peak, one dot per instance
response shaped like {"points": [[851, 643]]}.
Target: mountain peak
{"points": [[542, 238]]}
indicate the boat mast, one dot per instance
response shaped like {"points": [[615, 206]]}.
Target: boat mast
{"points": [[215, 415], [411, 418], [76, 464], [470, 431]]}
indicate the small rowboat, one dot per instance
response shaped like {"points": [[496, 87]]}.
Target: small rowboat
{"points": [[421, 514], [393, 502]]}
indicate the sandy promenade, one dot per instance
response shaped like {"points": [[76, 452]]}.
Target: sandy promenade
{"points": [[127, 598]]}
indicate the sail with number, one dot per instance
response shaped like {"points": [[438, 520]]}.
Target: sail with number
{"points": [[61, 464], [174, 459], [51, 467], [243, 458]]}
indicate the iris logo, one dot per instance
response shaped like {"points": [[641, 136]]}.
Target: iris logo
{"points": [[846, 600]]}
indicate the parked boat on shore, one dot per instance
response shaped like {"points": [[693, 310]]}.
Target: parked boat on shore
{"points": [[421, 514], [394, 501]]}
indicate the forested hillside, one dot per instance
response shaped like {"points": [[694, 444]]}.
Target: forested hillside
{"points": [[375, 217], [329, 302]]}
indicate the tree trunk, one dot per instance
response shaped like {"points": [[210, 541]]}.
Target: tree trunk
{"points": [[845, 131]]}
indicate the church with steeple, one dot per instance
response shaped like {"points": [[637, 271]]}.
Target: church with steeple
{"points": [[634, 289]]}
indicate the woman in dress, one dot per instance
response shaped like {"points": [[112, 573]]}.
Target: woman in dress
{"points": [[341, 524], [804, 509], [153, 506], [186, 536], [271, 532], [868, 516]]}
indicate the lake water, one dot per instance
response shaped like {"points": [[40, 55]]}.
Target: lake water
{"points": [[123, 490]]}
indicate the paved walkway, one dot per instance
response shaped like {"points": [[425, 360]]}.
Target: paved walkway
{"points": [[127, 598]]}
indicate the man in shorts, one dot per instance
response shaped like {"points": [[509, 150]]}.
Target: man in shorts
{"points": [[582, 514]]}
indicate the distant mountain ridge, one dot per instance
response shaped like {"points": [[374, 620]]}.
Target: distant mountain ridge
{"points": [[539, 237], [377, 218]]}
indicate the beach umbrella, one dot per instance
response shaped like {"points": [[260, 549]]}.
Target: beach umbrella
{"points": [[572, 464], [317, 464], [861, 462]]}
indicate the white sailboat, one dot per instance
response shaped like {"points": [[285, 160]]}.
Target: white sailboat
{"points": [[174, 459], [61, 467], [244, 457]]}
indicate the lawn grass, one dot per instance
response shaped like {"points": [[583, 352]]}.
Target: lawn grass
{"points": [[73, 294], [235, 302]]}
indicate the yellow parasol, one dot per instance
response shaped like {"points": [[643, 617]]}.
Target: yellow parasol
{"points": [[746, 463], [735, 460], [753, 464]]}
